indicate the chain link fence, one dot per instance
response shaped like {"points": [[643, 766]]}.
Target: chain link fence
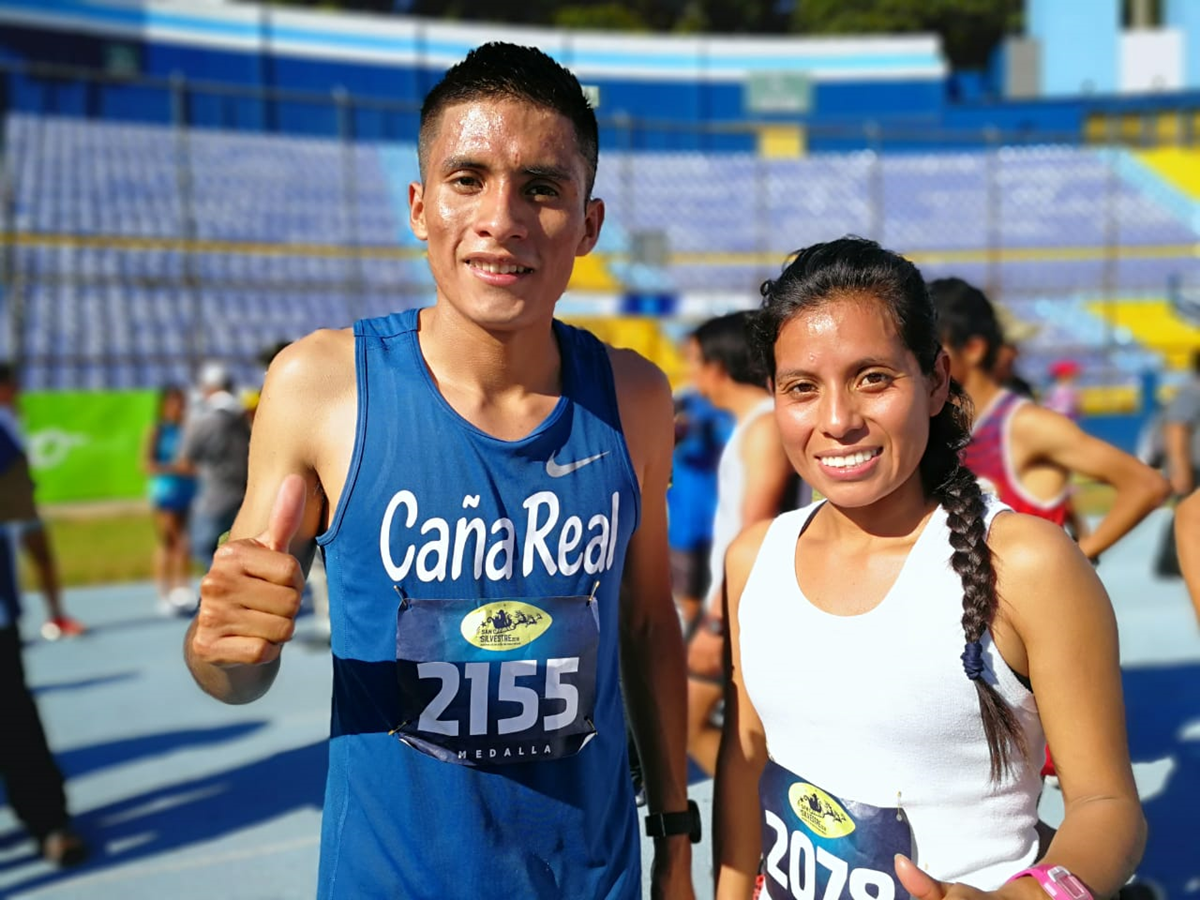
{"points": [[134, 250]]}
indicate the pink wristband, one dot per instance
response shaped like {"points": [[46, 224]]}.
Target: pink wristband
{"points": [[1057, 882]]}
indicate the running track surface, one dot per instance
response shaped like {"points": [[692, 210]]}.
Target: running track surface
{"points": [[182, 797]]}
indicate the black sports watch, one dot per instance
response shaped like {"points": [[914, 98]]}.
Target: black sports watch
{"points": [[666, 824]]}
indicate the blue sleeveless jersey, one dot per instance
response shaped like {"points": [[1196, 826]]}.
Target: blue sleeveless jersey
{"points": [[170, 491], [478, 744]]}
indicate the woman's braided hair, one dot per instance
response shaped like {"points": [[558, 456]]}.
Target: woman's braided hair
{"points": [[853, 266]]}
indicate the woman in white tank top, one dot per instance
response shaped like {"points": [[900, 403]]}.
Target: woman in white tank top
{"points": [[882, 735]]}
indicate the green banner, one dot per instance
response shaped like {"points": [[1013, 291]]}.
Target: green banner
{"points": [[87, 445], [778, 92]]}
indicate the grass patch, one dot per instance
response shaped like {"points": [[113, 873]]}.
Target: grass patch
{"points": [[1091, 498], [99, 549]]}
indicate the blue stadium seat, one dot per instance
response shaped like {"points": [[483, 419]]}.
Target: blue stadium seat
{"points": [[728, 219]]}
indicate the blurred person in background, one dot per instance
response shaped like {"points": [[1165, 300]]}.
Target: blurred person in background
{"points": [[1181, 433], [1062, 396], [171, 495], [1014, 332], [215, 448], [700, 432], [30, 776], [249, 398], [1187, 542], [1024, 453], [1180, 441], [755, 481], [17, 486]]}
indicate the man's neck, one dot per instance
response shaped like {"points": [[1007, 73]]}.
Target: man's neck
{"points": [[486, 365], [741, 399]]}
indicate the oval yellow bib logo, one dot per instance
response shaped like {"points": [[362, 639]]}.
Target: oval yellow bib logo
{"points": [[819, 811], [505, 625]]}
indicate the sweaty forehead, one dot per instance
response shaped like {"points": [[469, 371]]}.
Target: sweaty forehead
{"points": [[850, 312], [846, 325], [503, 131]]}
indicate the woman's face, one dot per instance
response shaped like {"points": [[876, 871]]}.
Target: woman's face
{"points": [[852, 404], [173, 406]]}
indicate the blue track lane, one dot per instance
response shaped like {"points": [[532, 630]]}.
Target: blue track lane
{"points": [[182, 797]]}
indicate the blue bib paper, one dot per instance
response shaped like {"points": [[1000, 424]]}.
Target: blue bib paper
{"points": [[819, 847], [486, 683]]}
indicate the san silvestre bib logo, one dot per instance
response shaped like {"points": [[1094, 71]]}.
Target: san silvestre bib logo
{"points": [[819, 811], [505, 625]]}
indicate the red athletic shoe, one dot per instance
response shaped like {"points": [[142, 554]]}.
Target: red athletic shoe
{"points": [[1048, 770], [62, 627]]}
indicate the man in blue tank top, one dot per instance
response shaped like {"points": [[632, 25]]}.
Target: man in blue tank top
{"points": [[487, 487]]}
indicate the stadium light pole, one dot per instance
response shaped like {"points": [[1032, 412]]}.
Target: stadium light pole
{"points": [[992, 213], [353, 285], [187, 218], [8, 272], [875, 195]]}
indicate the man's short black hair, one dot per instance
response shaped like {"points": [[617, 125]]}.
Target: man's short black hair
{"points": [[498, 70], [726, 340], [8, 372]]}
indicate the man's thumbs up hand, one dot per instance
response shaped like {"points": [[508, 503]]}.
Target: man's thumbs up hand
{"points": [[250, 597]]}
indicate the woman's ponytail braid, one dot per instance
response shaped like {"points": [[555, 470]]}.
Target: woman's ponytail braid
{"points": [[953, 485]]}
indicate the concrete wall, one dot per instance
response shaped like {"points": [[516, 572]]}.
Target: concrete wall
{"points": [[1151, 60], [1079, 45]]}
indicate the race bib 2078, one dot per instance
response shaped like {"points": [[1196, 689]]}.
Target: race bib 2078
{"points": [[819, 847]]}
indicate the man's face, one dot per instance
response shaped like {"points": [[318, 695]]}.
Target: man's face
{"points": [[702, 374], [504, 210], [8, 393]]}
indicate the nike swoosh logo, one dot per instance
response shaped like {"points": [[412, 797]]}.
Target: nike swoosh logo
{"points": [[555, 470]]}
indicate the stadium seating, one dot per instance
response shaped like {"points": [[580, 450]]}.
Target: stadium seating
{"points": [[146, 248]]}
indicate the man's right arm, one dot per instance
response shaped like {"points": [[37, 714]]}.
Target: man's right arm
{"points": [[251, 594], [248, 604]]}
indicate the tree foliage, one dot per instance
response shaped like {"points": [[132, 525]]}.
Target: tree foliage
{"points": [[970, 29], [600, 17]]}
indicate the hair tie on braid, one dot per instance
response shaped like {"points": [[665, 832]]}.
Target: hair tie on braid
{"points": [[972, 658]]}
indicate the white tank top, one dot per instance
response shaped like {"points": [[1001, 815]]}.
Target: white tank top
{"points": [[731, 494], [876, 707]]}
